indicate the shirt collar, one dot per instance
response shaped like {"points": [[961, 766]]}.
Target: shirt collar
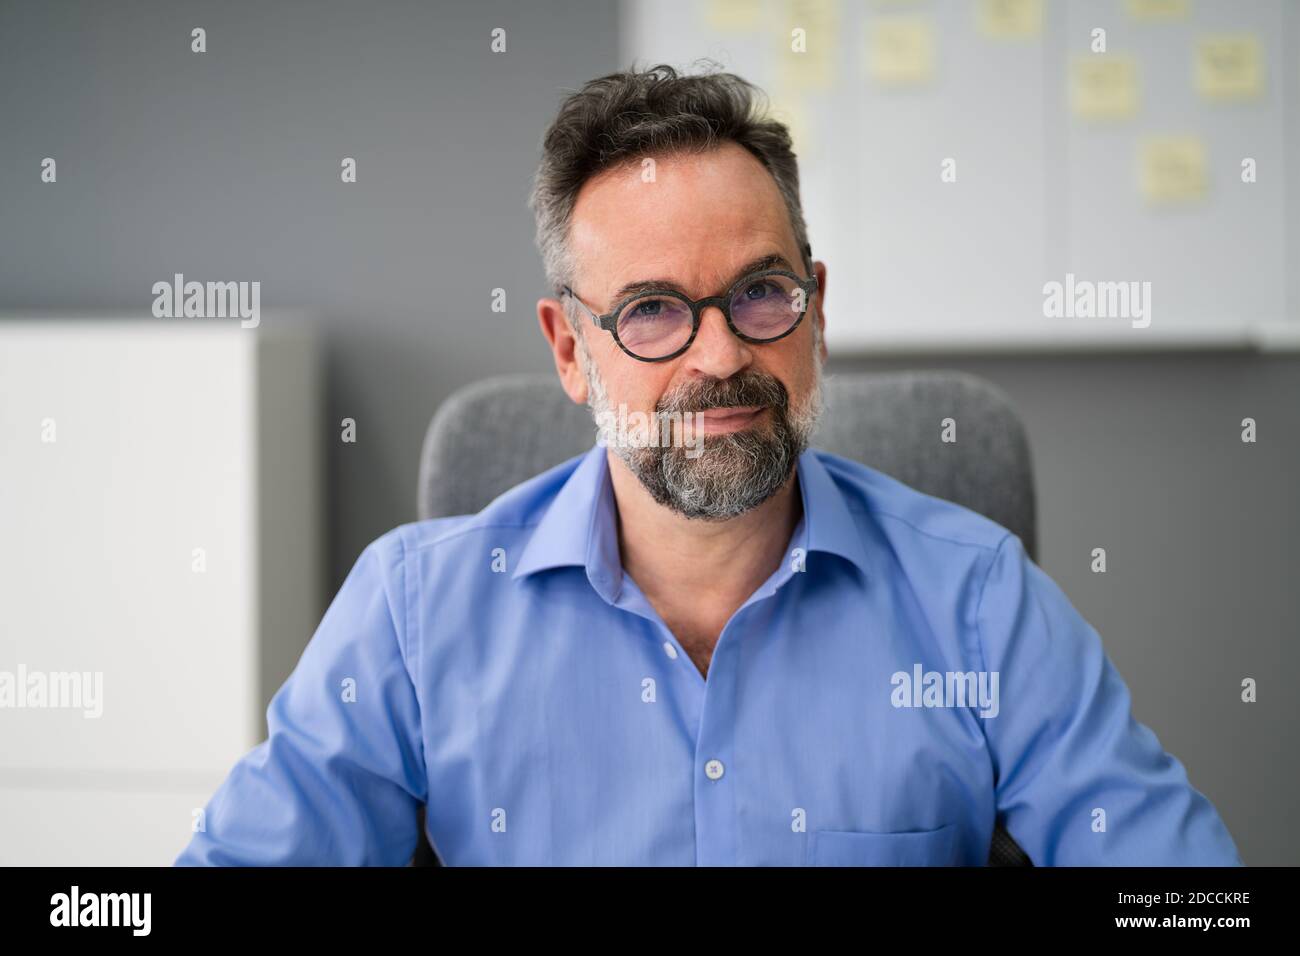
{"points": [[830, 524], [580, 526]]}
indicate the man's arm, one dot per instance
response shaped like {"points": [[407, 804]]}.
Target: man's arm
{"points": [[1065, 744], [341, 775]]}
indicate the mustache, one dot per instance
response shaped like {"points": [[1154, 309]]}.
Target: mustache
{"points": [[752, 389]]}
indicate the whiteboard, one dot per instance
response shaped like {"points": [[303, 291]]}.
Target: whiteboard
{"points": [[1040, 192]]}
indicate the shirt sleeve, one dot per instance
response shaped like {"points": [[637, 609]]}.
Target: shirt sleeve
{"points": [[340, 777], [1065, 745]]}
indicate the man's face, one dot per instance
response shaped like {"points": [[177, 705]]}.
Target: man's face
{"points": [[696, 224]]}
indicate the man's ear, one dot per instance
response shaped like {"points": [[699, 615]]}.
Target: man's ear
{"points": [[560, 336], [819, 270]]}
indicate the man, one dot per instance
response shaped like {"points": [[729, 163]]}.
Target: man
{"points": [[701, 642]]}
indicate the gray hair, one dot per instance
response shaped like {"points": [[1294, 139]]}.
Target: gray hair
{"points": [[622, 117]]}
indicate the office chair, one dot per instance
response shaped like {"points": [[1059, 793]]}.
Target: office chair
{"points": [[493, 434]]}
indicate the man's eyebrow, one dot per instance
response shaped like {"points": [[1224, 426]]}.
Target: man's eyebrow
{"points": [[771, 261]]}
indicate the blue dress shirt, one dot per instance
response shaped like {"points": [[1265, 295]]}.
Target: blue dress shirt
{"points": [[501, 668]]}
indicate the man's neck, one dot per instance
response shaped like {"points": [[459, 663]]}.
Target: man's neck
{"points": [[716, 564]]}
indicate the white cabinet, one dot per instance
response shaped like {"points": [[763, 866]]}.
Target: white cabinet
{"points": [[160, 532]]}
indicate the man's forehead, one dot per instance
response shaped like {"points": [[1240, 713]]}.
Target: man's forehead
{"points": [[681, 185], [690, 225]]}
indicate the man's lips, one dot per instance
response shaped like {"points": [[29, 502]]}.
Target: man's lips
{"points": [[727, 419]]}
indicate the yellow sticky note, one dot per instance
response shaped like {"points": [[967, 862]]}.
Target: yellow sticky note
{"points": [[1010, 18], [1103, 86], [809, 39], [733, 15], [1172, 168], [1157, 9], [900, 51], [1229, 67]]}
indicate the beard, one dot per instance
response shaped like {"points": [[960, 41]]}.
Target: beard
{"points": [[719, 476]]}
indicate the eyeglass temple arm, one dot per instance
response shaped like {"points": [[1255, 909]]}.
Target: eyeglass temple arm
{"points": [[595, 319]]}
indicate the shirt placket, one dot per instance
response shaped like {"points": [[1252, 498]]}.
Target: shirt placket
{"points": [[711, 706]]}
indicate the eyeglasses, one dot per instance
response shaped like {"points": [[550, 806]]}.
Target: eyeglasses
{"points": [[660, 324]]}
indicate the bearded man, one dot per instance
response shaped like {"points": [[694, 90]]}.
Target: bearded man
{"points": [[689, 651]]}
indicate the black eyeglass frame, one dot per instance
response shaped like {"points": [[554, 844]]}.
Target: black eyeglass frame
{"points": [[609, 321]]}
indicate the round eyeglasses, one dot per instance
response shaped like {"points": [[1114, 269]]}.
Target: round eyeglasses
{"points": [[656, 325]]}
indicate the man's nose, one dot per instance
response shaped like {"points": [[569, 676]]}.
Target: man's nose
{"points": [[717, 351]]}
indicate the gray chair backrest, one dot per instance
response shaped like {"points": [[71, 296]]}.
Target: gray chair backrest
{"points": [[490, 436]]}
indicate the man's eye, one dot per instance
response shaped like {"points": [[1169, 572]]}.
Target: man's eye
{"points": [[647, 309]]}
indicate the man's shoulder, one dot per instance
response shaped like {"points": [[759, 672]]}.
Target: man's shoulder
{"points": [[906, 516], [506, 518]]}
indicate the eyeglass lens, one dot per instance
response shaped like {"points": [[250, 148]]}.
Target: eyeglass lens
{"points": [[762, 307]]}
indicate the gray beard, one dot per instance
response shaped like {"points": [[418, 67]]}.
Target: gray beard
{"points": [[732, 472], [736, 472]]}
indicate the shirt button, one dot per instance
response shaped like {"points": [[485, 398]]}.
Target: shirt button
{"points": [[670, 650], [713, 769]]}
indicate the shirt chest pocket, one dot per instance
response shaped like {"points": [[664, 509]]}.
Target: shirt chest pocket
{"points": [[863, 848]]}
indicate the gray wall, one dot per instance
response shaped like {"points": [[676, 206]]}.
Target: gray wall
{"points": [[225, 166]]}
